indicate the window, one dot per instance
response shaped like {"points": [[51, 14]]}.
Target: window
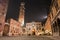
{"points": [[42, 29], [2, 13], [37, 28], [52, 15], [29, 28], [56, 5], [0, 24], [23, 30]]}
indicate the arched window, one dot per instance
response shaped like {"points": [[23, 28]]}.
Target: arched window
{"points": [[0, 24]]}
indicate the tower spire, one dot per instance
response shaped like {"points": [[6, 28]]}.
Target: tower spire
{"points": [[21, 13]]}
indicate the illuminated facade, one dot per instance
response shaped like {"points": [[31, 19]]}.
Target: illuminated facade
{"points": [[34, 28], [21, 15], [54, 18], [55, 11], [48, 26], [3, 11], [15, 28]]}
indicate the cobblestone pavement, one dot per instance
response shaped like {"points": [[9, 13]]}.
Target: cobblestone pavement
{"points": [[29, 38]]}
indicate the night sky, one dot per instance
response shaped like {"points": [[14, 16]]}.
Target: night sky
{"points": [[35, 10]]}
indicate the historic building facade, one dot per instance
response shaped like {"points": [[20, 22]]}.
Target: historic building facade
{"points": [[3, 11], [15, 28], [34, 28], [47, 28], [54, 18]]}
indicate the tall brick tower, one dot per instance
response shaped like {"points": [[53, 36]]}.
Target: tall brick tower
{"points": [[21, 15], [3, 11]]}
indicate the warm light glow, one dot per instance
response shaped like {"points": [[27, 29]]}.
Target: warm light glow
{"points": [[33, 30], [46, 31], [40, 33], [22, 23]]}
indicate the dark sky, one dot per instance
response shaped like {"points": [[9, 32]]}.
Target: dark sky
{"points": [[35, 10]]}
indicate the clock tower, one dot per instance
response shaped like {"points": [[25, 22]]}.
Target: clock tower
{"points": [[21, 13]]}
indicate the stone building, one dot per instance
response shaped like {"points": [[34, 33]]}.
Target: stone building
{"points": [[3, 11], [15, 28], [34, 28], [48, 28], [54, 16]]}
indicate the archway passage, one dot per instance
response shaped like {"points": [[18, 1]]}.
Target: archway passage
{"points": [[6, 30], [58, 21], [56, 27], [33, 32]]}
